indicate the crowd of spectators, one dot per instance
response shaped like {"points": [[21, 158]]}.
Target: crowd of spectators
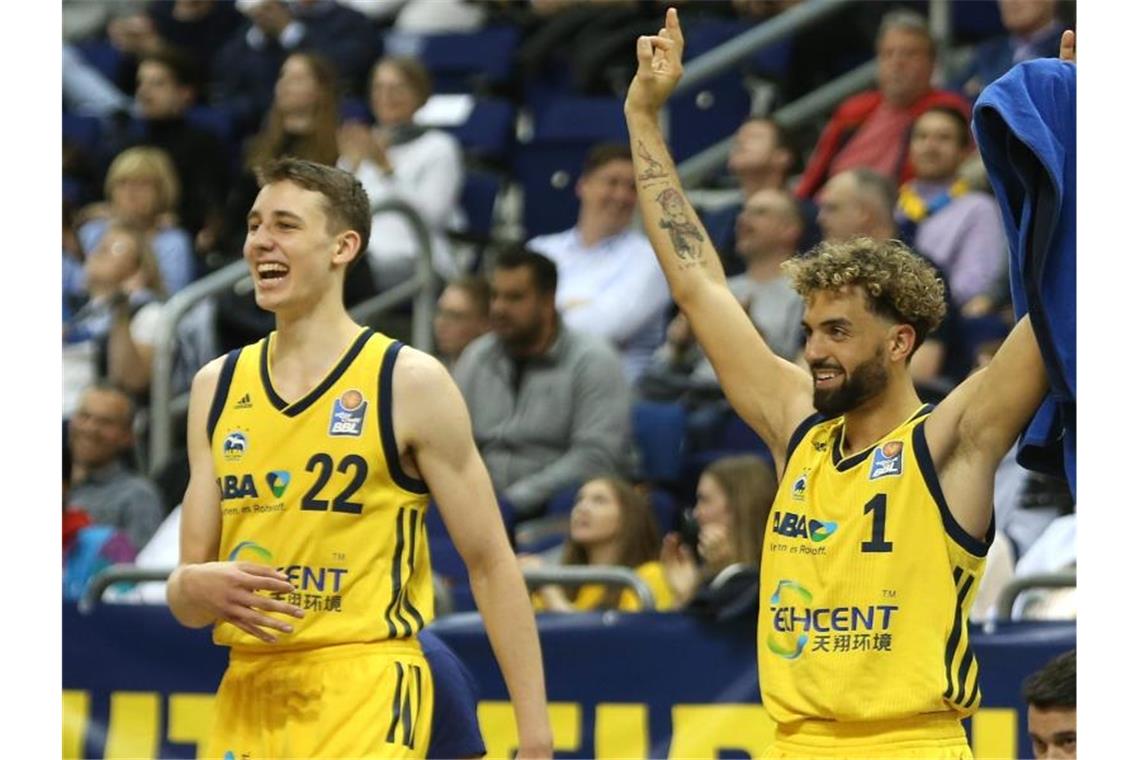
{"points": [[552, 342]]}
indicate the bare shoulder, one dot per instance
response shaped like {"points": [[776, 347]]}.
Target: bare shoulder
{"points": [[206, 378], [426, 401], [419, 373]]}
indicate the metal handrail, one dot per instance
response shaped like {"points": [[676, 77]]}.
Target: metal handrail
{"points": [[120, 573], [164, 406], [728, 54], [1017, 586], [710, 160], [126, 573], [579, 576], [161, 393]]}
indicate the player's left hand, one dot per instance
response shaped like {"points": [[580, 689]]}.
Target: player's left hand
{"points": [[658, 67], [1068, 50]]}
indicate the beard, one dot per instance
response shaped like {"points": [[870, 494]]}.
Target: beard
{"points": [[865, 382]]}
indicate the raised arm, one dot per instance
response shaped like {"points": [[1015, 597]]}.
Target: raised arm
{"points": [[201, 590], [772, 395], [974, 427], [432, 424]]}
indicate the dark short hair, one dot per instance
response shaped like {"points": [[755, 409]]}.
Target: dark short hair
{"points": [[478, 289], [783, 136], [602, 153], [956, 116], [1055, 685], [180, 65], [542, 270], [346, 203]]}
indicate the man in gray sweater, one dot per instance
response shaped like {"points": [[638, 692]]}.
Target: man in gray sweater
{"points": [[550, 406]]}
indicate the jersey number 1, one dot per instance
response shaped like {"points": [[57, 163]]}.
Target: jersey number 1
{"points": [[878, 542]]}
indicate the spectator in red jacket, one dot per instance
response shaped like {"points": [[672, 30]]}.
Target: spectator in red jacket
{"points": [[871, 130]]}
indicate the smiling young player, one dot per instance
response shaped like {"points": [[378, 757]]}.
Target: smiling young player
{"points": [[313, 454], [884, 512]]}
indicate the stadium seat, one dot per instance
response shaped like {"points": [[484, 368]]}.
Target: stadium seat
{"points": [[84, 132], [548, 166], [488, 134], [480, 189], [659, 435], [103, 56], [712, 111], [460, 62]]}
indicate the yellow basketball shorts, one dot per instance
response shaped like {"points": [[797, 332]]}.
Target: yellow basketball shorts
{"points": [[348, 701], [937, 737]]}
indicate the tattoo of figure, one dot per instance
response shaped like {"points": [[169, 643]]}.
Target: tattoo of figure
{"points": [[679, 227], [655, 170]]}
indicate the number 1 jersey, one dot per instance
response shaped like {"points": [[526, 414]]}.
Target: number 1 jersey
{"points": [[314, 488], [866, 582]]}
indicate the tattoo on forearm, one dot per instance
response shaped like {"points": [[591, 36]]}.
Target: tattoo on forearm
{"points": [[655, 169], [678, 224]]}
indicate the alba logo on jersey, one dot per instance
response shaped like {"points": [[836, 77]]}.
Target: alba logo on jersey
{"points": [[235, 446], [887, 460], [799, 526], [348, 414]]}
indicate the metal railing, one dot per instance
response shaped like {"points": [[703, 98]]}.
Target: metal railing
{"points": [[165, 407], [1018, 586], [580, 576], [126, 573]]}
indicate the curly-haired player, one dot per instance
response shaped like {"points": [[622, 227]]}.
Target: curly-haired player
{"points": [[883, 516]]}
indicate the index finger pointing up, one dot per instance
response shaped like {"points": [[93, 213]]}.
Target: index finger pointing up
{"points": [[673, 23]]}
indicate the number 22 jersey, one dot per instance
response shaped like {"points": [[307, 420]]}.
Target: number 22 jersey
{"points": [[314, 488]]}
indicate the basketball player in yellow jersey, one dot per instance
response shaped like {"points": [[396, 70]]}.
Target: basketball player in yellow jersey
{"points": [[312, 456], [883, 516]]}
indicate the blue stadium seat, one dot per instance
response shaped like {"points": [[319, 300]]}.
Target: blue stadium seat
{"points": [[976, 20], [659, 434], [355, 109], [480, 189], [84, 132], [103, 56], [664, 508], [704, 116], [461, 62], [548, 167], [217, 120], [489, 132]]}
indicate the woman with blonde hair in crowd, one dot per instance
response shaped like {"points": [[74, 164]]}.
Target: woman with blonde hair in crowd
{"points": [[734, 497], [398, 159], [142, 190], [611, 524]]}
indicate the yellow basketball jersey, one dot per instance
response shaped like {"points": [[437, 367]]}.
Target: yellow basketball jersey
{"points": [[314, 488], [866, 583]]}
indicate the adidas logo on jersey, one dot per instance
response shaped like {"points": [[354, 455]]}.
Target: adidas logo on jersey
{"points": [[243, 402]]}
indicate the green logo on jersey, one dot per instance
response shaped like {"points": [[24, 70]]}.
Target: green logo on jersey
{"points": [[258, 551], [278, 481]]}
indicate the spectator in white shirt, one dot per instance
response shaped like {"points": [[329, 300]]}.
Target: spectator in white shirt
{"points": [[609, 283], [397, 159]]}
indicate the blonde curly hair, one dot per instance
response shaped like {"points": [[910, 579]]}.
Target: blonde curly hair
{"points": [[899, 284]]}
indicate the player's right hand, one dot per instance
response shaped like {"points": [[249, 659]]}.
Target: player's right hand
{"points": [[229, 591], [658, 67]]}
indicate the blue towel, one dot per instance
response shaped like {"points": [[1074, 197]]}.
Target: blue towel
{"points": [[1025, 124]]}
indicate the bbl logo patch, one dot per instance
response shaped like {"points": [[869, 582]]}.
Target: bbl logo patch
{"points": [[887, 460], [278, 481], [235, 446], [348, 414]]}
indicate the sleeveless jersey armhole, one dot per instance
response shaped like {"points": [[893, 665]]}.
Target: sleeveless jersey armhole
{"points": [[387, 429], [930, 477], [801, 430], [221, 392]]}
